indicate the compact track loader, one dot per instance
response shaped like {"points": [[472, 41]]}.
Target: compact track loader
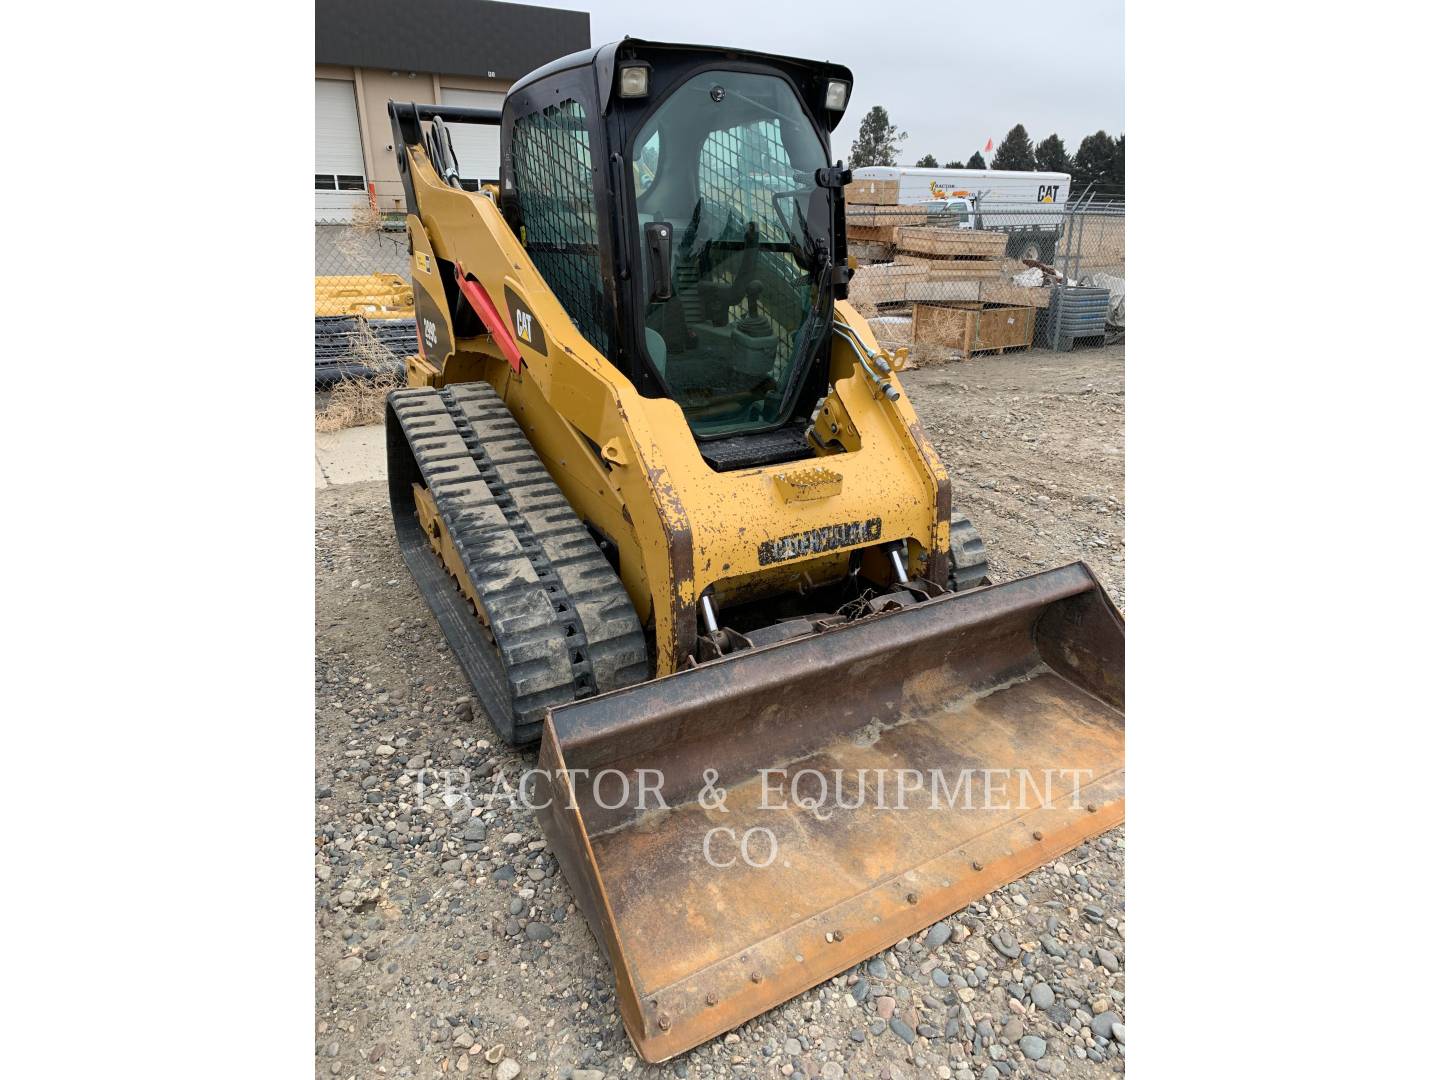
{"points": [[680, 524]]}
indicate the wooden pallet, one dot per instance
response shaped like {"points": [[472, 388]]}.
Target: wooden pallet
{"points": [[910, 258], [883, 283], [916, 283], [870, 251], [936, 240], [883, 216], [876, 234], [872, 192], [973, 328], [944, 269], [1005, 292], [941, 291]]}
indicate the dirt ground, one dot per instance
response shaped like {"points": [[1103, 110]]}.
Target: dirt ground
{"points": [[447, 942], [1035, 445]]}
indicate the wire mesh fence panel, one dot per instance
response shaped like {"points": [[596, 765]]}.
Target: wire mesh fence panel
{"points": [[1093, 242], [949, 278], [362, 264], [364, 309], [960, 276]]}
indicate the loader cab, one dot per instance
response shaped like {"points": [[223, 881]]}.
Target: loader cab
{"points": [[682, 204]]}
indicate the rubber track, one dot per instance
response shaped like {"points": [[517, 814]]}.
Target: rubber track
{"points": [[969, 565], [560, 623]]}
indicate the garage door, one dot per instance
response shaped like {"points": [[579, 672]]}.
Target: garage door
{"points": [[339, 161], [477, 146]]}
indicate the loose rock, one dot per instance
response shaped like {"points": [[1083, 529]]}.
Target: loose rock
{"points": [[1005, 944], [902, 1029], [415, 878], [1103, 1024], [1032, 1046]]}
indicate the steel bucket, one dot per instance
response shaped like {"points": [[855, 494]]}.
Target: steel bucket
{"points": [[712, 912]]}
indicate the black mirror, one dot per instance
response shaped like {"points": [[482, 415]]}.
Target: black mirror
{"points": [[657, 250]]}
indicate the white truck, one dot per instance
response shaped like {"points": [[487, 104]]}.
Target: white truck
{"points": [[1029, 206]]}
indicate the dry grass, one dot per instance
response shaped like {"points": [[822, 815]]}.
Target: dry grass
{"points": [[895, 328], [358, 239], [359, 400], [892, 328]]}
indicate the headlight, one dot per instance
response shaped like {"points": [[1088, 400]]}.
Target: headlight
{"points": [[635, 81], [835, 94]]}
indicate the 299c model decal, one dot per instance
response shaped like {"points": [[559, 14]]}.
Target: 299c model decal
{"points": [[816, 541]]}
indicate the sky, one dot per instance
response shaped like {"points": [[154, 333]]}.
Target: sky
{"points": [[950, 75]]}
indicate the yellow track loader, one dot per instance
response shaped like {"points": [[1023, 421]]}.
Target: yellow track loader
{"points": [[678, 521]]}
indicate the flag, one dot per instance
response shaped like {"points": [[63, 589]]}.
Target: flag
{"points": [[989, 145]]}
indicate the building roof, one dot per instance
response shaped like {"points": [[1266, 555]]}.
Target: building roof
{"points": [[451, 37]]}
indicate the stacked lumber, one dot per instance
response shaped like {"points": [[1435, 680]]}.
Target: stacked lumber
{"points": [[884, 216], [939, 265], [939, 242], [954, 269], [955, 285], [882, 284], [866, 252], [952, 254], [877, 224], [870, 234]]}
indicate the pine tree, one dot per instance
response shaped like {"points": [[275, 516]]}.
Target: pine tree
{"points": [[927, 162], [1050, 155], [1094, 166], [1015, 152], [878, 142], [977, 161], [1117, 170]]}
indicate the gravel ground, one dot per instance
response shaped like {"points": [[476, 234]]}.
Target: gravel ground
{"points": [[446, 941]]}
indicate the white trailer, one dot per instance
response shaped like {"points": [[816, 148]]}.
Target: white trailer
{"points": [[1027, 205]]}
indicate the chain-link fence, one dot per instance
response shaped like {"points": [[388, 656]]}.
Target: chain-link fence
{"points": [[950, 278], [364, 308], [361, 263], [956, 277]]}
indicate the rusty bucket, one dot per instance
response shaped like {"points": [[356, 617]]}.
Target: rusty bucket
{"points": [[740, 832]]}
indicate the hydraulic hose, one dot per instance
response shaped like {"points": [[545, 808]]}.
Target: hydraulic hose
{"points": [[865, 356]]}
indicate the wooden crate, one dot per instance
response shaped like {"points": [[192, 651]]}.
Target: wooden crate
{"points": [[872, 192], [972, 328], [876, 234], [935, 240], [872, 216]]}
